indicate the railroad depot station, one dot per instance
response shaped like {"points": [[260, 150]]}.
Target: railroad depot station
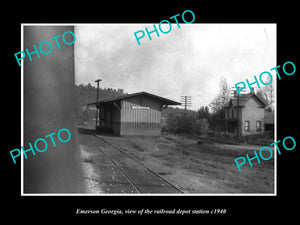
{"points": [[133, 114]]}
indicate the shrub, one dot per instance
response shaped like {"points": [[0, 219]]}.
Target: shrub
{"points": [[201, 126], [181, 122], [186, 122]]}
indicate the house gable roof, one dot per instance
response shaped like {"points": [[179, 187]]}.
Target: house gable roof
{"points": [[233, 102], [164, 101]]}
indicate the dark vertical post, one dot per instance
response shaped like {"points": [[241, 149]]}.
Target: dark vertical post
{"points": [[97, 110], [238, 117], [48, 107], [186, 100]]}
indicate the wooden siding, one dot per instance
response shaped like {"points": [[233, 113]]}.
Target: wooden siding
{"points": [[252, 113], [151, 115], [136, 120], [139, 115]]}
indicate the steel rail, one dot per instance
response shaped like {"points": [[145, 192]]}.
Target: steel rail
{"points": [[149, 169], [119, 169]]}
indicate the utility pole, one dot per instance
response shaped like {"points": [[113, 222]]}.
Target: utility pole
{"points": [[187, 101], [238, 117], [97, 108], [236, 95]]}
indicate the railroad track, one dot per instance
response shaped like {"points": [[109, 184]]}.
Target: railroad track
{"points": [[142, 178]]}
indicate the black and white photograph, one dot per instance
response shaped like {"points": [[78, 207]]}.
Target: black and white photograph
{"points": [[162, 117], [172, 112]]}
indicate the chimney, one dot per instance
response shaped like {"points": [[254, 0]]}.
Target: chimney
{"points": [[235, 93]]}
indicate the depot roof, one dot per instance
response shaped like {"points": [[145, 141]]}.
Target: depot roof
{"points": [[165, 101]]}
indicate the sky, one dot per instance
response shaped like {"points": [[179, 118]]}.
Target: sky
{"points": [[188, 61]]}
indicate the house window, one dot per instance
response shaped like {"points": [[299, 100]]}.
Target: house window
{"points": [[247, 125], [258, 125]]}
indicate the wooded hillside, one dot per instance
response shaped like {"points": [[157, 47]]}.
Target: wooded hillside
{"points": [[86, 94]]}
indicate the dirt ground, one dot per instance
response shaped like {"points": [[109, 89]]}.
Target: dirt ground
{"points": [[204, 168]]}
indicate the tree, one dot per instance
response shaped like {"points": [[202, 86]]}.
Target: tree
{"points": [[267, 93], [85, 94], [187, 122], [222, 97], [201, 126], [203, 112], [216, 121]]}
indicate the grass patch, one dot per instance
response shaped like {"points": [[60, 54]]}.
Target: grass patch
{"points": [[86, 157], [205, 167], [137, 147], [253, 139]]}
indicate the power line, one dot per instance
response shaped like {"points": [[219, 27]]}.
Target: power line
{"points": [[187, 101]]}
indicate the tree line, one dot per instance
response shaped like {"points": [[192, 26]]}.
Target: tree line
{"points": [[211, 118], [85, 94]]}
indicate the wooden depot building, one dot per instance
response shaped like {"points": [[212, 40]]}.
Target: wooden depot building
{"points": [[132, 114]]}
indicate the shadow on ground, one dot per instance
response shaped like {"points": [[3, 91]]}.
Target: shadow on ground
{"points": [[86, 131], [91, 131]]}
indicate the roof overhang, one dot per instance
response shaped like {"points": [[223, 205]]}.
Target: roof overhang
{"points": [[164, 101]]}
